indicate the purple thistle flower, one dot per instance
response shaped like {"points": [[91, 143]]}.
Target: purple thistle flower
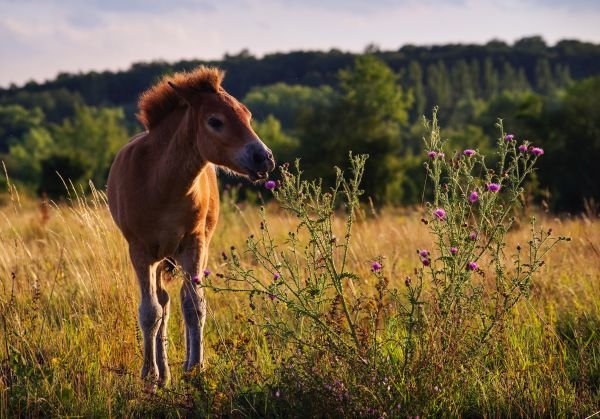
{"points": [[469, 152], [426, 262], [376, 266], [196, 279], [473, 197], [473, 236], [206, 273], [424, 253], [453, 250], [440, 213], [432, 154], [271, 296], [537, 151], [270, 184], [276, 276], [493, 187], [509, 137], [523, 148], [472, 266]]}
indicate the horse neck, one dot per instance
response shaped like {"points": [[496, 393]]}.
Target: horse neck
{"points": [[181, 162]]}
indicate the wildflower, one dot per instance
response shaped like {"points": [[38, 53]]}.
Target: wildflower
{"points": [[426, 262], [469, 152], [432, 154], [206, 273], [473, 197], [523, 148], [472, 266], [493, 187], [376, 266], [509, 137], [453, 250], [473, 236], [424, 253], [537, 151], [196, 279], [276, 276], [441, 155], [270, 184], [440, 213], [271, 296]]}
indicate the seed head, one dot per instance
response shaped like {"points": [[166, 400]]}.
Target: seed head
{"points": [[493, 187], [440, 213], [376, 266], [472, 266], [536, 151]]}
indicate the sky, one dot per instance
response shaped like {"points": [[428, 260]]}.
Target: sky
{"points": [[41, 38]]}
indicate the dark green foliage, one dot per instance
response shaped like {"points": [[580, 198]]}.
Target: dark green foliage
{"points": [[319, 105], [15, 121], [571, 132], [367, 118]]}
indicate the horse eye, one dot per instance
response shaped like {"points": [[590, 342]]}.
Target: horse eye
{"points": [[215, 123]]}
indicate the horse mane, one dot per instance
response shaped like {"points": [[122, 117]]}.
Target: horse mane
{"points": [[160, 99]]}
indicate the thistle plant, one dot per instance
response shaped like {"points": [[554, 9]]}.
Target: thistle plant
{"points": [[308, 302], [302, 282], [475, 279]]}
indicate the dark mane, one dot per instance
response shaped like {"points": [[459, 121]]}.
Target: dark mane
{"points": [[159, 100]]}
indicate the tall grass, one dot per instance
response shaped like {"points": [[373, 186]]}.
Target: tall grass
{"points": [[70, 344]]}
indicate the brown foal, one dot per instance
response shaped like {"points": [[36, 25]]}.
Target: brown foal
{"points": [[163, 196]]}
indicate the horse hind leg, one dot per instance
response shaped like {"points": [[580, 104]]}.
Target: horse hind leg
{"points": [[162, 358], [150, 312]]}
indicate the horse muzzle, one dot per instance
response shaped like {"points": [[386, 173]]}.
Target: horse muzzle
{"points": [[258, 161]]}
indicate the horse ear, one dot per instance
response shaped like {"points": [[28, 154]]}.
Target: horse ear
{"points": [[183, 93], [188, 93]]}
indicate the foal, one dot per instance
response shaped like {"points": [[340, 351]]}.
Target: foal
{"points": [[163, 196]]}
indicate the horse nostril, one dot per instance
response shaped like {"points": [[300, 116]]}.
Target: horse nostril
{"points": [[260, 156]]}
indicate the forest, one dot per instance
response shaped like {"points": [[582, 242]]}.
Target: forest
{"points": [[317, 105]]}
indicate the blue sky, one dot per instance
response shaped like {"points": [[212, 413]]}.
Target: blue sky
{"points": [[40, 38]]}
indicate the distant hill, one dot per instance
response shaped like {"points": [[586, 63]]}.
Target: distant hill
{"points": [[529, 58]]}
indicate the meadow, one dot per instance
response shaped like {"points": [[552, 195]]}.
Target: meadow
{"points": [[70, 344]]}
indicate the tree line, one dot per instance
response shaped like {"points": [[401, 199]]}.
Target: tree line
{"points": [[319, 105]]}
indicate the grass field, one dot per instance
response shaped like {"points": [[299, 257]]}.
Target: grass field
{"points": [[70, 344]]}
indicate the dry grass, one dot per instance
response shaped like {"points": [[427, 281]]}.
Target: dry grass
{"points": [[70, 345]]}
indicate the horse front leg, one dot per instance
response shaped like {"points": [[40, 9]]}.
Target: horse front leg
{"points": [[193, 303]]}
